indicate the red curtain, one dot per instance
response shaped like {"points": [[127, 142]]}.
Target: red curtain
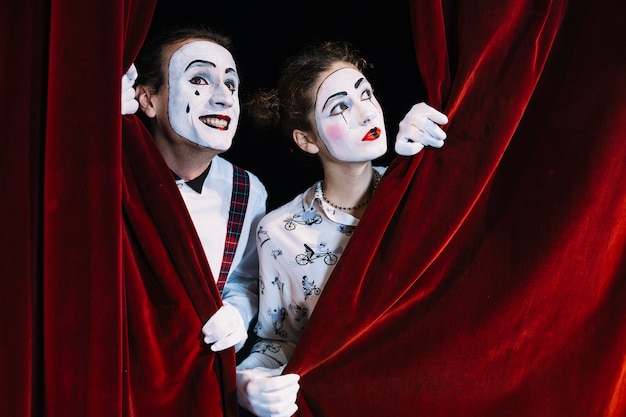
{"points": [[488, 277], [104, 294]]}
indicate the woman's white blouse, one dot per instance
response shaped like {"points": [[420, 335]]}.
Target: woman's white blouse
{"points": [[299, 245]]}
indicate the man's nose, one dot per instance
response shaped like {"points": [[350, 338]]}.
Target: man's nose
{"points": [[222, 96]]}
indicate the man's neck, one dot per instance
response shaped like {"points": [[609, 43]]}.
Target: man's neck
{"points": [[188, 161], [188, 171]]}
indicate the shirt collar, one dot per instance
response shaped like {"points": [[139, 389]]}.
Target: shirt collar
{"points": [[196, 183], [314, 195]]}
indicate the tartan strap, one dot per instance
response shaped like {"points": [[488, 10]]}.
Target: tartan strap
{"points": [[236, 214]]}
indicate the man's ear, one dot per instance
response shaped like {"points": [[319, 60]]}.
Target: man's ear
{"points": [[305, 141], [144, 97]]}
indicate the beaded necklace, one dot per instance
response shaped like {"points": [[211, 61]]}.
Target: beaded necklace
{"points": [[363, 204]]}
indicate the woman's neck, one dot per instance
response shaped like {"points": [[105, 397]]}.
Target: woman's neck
{"points": [[349, 187]]}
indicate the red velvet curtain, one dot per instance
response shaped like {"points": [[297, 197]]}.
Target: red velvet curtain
{"points": [[104, 293], [488, 277]]}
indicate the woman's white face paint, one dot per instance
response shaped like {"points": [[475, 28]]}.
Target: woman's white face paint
{"points": [[203, 94], [349, 119]]}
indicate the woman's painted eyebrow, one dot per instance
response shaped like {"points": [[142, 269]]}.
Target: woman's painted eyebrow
{"points": [[341, 93]]}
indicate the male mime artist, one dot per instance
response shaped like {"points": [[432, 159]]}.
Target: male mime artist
{"points": [[188, 87]]}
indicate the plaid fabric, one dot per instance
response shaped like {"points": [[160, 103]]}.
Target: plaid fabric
{"points": [[238, 204]]}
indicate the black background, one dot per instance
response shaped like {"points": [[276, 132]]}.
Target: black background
{"points": [[264, 33]]}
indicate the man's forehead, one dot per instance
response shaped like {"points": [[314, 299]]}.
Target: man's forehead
{"points": [[201, 50]]}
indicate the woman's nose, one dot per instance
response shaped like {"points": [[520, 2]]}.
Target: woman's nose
{"points": [[367, 113]]}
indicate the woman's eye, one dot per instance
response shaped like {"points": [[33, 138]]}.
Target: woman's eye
{"points": [[198, 81], [338, 109], [367, 95]]}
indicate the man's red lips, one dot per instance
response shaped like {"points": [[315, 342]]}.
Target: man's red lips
{"points": [[373, 134]]}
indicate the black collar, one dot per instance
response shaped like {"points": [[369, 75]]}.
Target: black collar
{"points": [[196, 183]]}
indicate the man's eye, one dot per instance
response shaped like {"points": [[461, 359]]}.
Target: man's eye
{"points": [[231, 86], [338, 109], [198, 81], [367, 95]]}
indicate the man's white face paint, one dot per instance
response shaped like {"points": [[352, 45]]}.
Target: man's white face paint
{"points": [[349, 119], [203, 94]]}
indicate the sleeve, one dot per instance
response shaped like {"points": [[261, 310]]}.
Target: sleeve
{"points": [[242, 288], [277, 340]]}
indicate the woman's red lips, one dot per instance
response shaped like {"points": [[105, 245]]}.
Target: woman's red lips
{"points": [[373, 134]]}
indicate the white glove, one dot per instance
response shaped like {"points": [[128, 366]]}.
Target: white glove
{"points": [[129, 103], [420, 128], [267, 393], [225, 329]]}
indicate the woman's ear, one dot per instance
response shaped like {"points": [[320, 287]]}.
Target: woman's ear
{"points": [[144, 97], [305, 141]]}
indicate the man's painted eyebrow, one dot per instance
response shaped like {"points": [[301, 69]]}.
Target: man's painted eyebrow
{"points": [[200, 61], [358, 82], [341, 93], [232, 71]]}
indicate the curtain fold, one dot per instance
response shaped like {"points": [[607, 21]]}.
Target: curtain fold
{"points": [[81, 291], [22, 115], [100, 314], [487, 277], [169, 294]]}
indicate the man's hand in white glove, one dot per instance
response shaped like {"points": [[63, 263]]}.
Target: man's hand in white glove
{"points": [[129, 103], [420, 128], [225, 329], [267, 393]]}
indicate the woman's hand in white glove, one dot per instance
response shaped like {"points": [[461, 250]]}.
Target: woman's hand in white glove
{"points": [[420, 128], [266, 393]]}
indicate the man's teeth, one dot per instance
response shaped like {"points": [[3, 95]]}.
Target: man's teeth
{"points": [[215, 122]]}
